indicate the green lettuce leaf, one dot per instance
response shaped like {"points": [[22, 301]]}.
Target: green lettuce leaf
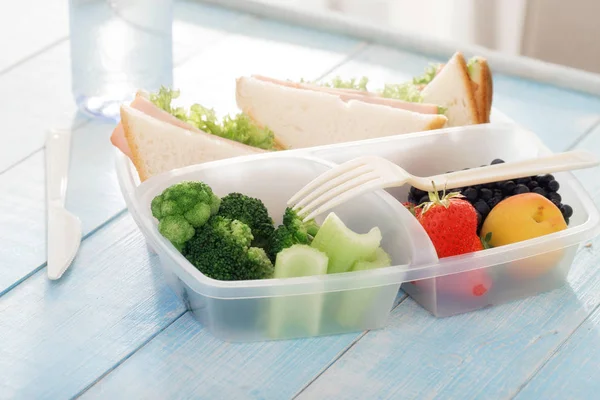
{"points": [[352, 83], [402, 91], [238, 127], [427, 76]]}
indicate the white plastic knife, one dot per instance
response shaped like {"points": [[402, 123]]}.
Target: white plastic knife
{"points": [[63, 228]]}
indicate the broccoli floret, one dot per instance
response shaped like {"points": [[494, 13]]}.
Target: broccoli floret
{"points": [[182, 208], [221, 250], [250, 211], [292, 231]]}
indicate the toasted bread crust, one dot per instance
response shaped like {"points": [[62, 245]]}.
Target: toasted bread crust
{"points": [[489, 84], [136, 156], [483, 90], [437, 123], [471, 103]]}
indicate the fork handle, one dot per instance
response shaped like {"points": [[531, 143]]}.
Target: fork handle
{"points": [[567, 161]]}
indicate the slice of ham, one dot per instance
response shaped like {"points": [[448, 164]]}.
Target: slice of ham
{"points": [[146, 106], [352, 94]]}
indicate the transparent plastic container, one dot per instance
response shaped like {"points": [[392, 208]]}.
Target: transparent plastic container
{"points": [[357, 301]]}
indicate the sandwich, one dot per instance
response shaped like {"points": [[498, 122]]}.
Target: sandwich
{"points": [[306, 115], [463, 88], [277, 115]]}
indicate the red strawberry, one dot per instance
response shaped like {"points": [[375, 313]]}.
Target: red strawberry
{"points": [[451, 224]]}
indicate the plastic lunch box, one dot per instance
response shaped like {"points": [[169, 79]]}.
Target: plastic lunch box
{"points": [[332, 304]]}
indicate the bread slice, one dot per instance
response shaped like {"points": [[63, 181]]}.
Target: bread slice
{"points": [[481, 76], [452, 88], [303, 118], [157, 146]]}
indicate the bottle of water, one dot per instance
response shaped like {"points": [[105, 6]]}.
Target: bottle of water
{"points": [[117, 48]]}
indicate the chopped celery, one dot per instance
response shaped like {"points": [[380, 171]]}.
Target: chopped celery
{"points": [[343, 246], [355, 303], [295, 315]]}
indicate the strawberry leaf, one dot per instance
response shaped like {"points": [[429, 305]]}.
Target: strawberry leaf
{"points": [[485, 241]]}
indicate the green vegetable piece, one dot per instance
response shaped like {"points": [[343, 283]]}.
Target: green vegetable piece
{"points": [[176, 229], [292, 231], [352, 83], [259, 264], [428, 75], [403, 91], [300, 260], [239, 127], [472, 64], [163, 100], [355, 304], [221, 250], [343, 246], [183, 207], [379, 259], [198, 215], [252, 212], [292, 316]]}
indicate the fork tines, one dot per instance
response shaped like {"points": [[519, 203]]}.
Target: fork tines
{"points": [[324, 192]]}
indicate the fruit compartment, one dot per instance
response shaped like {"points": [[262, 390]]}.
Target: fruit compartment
{"points": [[497, 275], [293, 307]]}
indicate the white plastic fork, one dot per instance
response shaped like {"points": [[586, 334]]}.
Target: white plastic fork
{"points": [[369, 173]]}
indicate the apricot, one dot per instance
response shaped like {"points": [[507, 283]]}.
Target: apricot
{"points": [[522, 217]]}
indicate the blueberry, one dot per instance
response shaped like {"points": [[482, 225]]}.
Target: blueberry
{"points": [[490, 186], [509, 186], [532, 185], [411, 199], [523, 181], [479, 217], [482, 207], [544, 179], [424, 199], [493, 202], [539, 191], [556, 203], [417, 193], [497, 161], [567, 221], [486, 194], [471, 194], [553, 185], [520, 189], [554, 196], [568, 210]]}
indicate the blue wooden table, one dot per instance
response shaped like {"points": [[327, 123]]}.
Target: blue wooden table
{"points": [[111, 328]]}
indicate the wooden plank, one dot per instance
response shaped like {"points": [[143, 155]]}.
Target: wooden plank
{"points": [[185, 361], [572, 372], [557, 115], [29, 27], [485, 354], [59, 336]]}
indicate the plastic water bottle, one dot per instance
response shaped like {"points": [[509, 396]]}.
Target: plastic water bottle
{"points": [[117, 48]]}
